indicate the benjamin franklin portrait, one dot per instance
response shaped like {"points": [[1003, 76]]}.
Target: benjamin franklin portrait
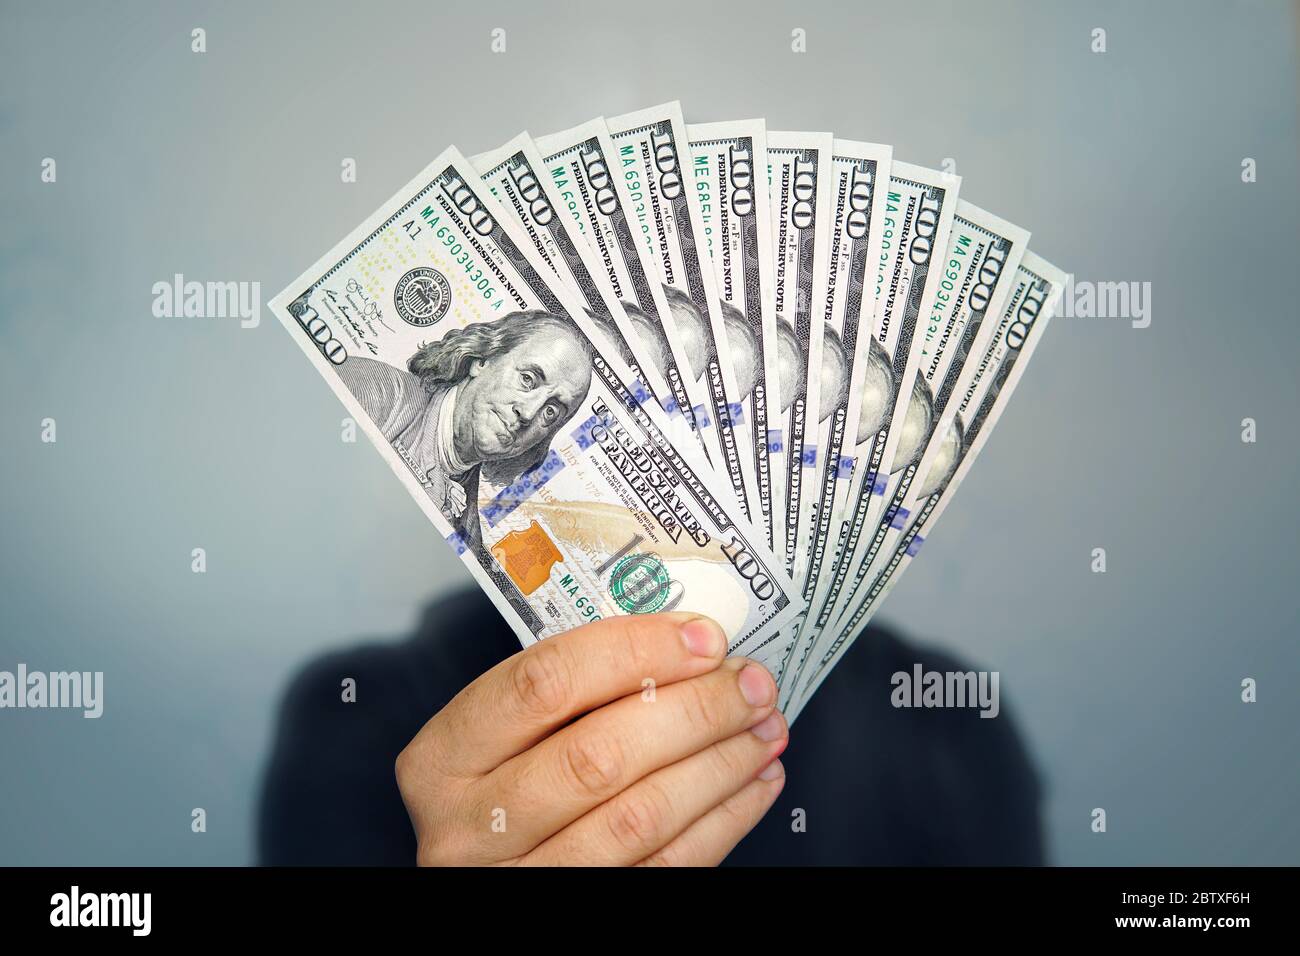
{"points": [[743, 344], [877, 392], [651, 336], [946, 458], [484, 402], [692, 329], [790, 363], [835, 373], [914, 430], [609, 338]]}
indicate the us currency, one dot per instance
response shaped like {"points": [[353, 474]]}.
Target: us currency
{"points": [[982, 250], [729, 172], [654, 161], [918, 211], [800, 182], [488, 389], [978, 400], [859, 173], [516, 175], [583, 168]]}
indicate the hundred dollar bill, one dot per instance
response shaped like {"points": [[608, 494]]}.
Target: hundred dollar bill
{"points": [[487, 388], [978, 400], [800, 183], [917, 211], [582, 166], [729, 174], [982, 250], [654, 162], [516, 175], [800, 180], [859, 173]]}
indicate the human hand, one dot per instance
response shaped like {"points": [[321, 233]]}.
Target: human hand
{"points": [[629, 740]]}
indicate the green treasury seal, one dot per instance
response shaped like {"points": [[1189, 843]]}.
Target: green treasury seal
{"points": [[640, 583]]}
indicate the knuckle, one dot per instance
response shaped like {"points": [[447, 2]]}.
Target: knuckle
{"points": [[419, 768], [437, 808], [738, 810], [412, 770], [438, 847], [732, 763], [703, 707], [541, 680], [592, 763], [638, 640], [403, 770], [671, 855], [455, 833], [428, 853], [637, 822]]}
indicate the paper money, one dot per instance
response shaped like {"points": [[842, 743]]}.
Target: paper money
{"points": [[918, 211], [799, 180], [730, 176], [982, 251], [860, 172], [979, 397], [654, 161], [516, 175], [525, 440], [583, 168]]}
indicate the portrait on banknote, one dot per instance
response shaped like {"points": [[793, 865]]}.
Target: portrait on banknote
{"points": [[946, 458], [609, 338], [692, 328], [651, 336], [835, 373], [877, 392], [745, 349], [918, 419], [790, 362], [483, 401]]}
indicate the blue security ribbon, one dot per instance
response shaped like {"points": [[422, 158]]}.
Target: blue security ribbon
{"points": [[523, 488]]}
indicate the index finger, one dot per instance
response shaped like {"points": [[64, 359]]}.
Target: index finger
{"points": [[526, 697]]}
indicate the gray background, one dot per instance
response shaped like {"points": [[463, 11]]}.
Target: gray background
{"points": [[183, 433]]}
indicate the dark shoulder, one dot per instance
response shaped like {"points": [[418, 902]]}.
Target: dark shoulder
{"points": [[879, 784], [964, 788], [976, 764], [329, 794]]}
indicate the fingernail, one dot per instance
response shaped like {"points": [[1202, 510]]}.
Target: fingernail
{"points": [[756, 685], [703, 638], [772, 771], [773, 728]]}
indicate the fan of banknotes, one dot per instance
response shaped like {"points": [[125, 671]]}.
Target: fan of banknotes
{"points": [[642, 365]]}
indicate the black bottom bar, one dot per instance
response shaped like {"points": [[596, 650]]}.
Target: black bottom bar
{"points": [[216, 905]]}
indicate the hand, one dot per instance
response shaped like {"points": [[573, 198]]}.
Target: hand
{"points": [[673, 772]]}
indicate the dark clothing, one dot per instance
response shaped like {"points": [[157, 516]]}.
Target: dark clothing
{"points": [[878, 784]]}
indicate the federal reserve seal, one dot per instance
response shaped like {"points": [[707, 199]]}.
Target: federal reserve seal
{"points": [[640, 584], [422, 296]]}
